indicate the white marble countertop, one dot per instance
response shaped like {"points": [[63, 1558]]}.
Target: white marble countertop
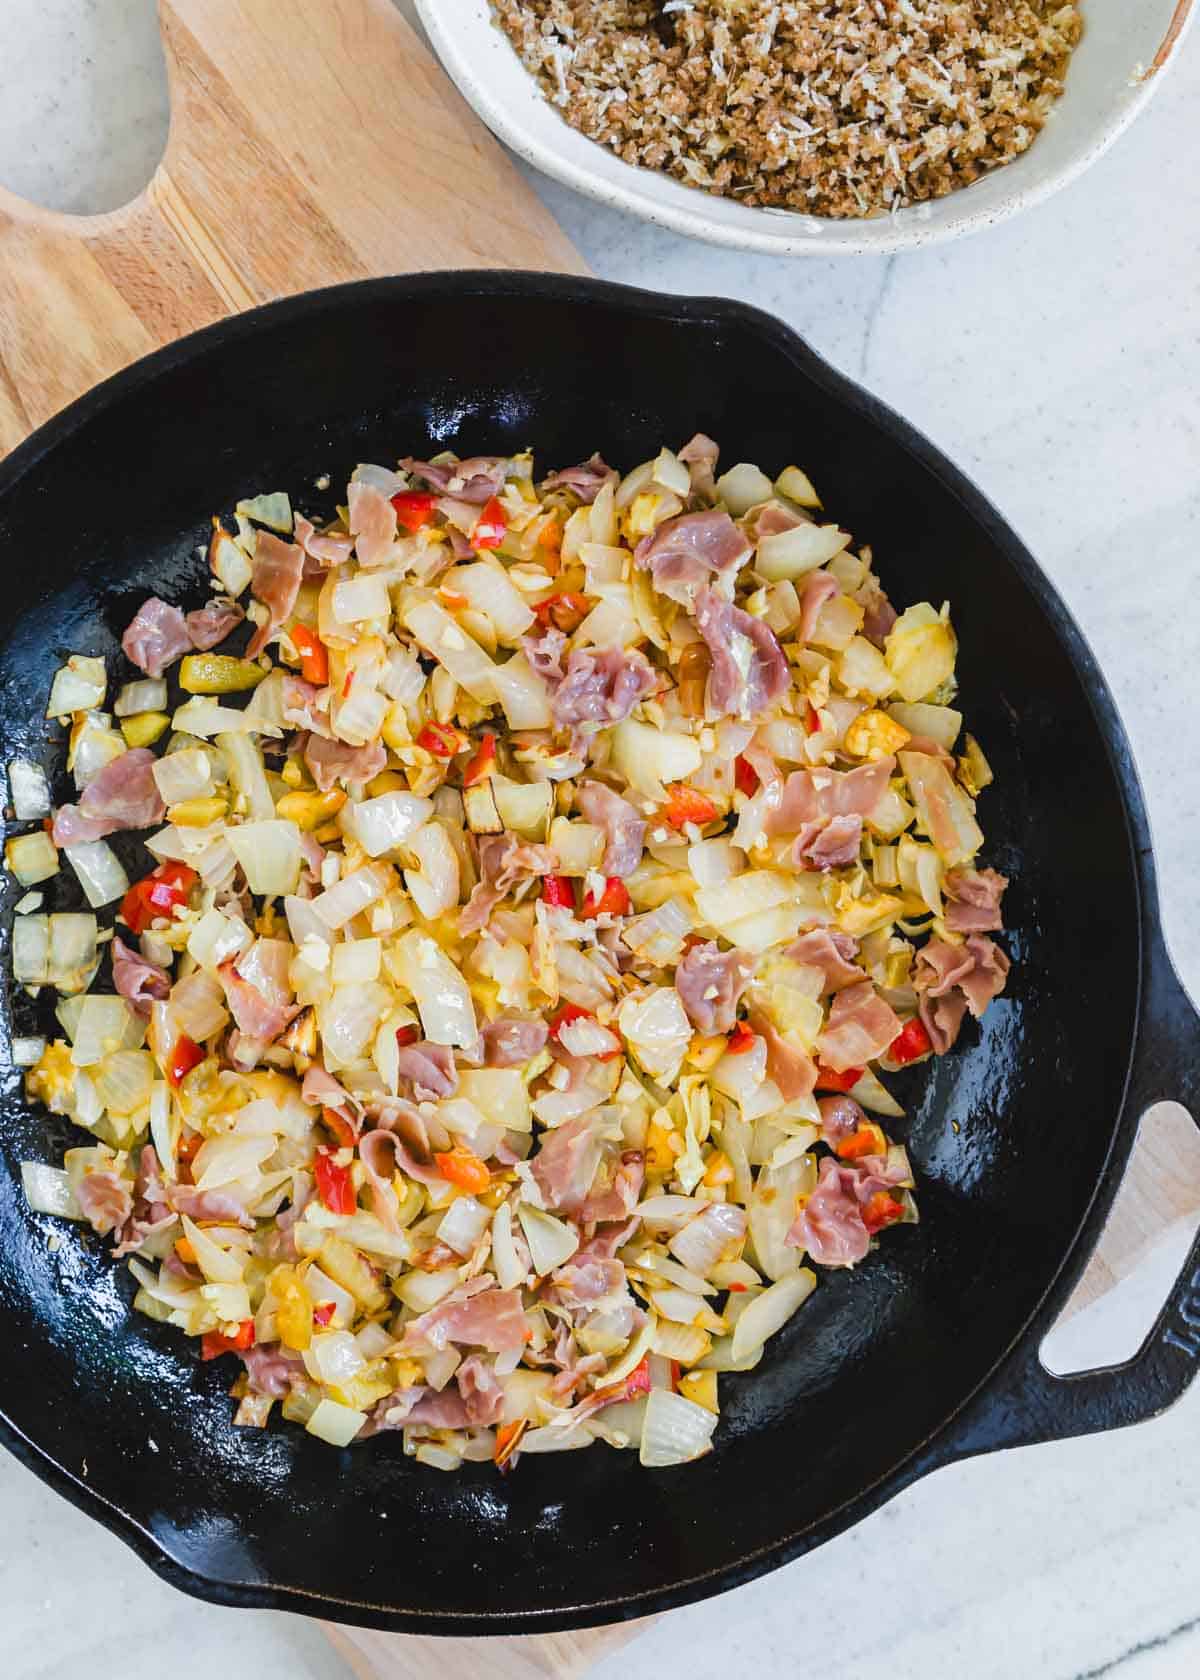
{"points": [[1057, 359]]}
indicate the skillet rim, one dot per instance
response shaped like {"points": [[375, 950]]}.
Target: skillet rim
{"points": [[673, 311]]}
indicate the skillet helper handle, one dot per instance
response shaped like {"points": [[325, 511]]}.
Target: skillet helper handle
{"points": [[1026, 1404]]}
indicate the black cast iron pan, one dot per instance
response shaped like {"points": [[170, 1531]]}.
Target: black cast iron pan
{"points": [[925, 1353]]}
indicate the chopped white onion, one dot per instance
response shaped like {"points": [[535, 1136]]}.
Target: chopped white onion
{"points": [[269, 853], [198, 1005], [702, 1242], [442, 996], [105, 1024], [463, 1224], [770, 1311], [49, 1190], [187, 774], [675, 1430], [148, 695], [28, 1052], [505, 1261], [551, 1241], [100, 872], [28, 789], [352, 895], [32, 857], [387, 821], [336, 1424], [79, 686], [435, 885]]}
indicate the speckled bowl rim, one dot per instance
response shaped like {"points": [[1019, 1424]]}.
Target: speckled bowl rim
{"points": [[451, 26]]}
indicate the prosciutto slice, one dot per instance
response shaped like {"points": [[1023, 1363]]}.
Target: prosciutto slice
{"points": [[105, 1201], [789, 1066], [710, 982], [810, 796], [683, 554], [586, 480], [828, 843], [138, 981], [209, 625], [490, 1318], [511, 1042], [257, 1015], [157, 635], [272, 1369], [840, 1118], [832, 952], [123, 795], [700, 455], [430, 1070], [860, 1027], [503, 861], [749, 670], [974, 896], [599, 685], [565, 1165], [323, 551], [275, 576], [372, 523], [474, 480], [624, 829], [830, 1225], [880, 616], [819, 587], [950, 979], [614, 1197], [333, 761], [217, 1205]]}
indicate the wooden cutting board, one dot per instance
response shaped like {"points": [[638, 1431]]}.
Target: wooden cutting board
{"points": [[314, 141]]}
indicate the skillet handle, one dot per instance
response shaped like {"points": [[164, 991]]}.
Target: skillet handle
{"points": [[1024, 1403]]}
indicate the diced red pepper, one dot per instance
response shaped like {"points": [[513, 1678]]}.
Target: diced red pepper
{"points": [[185, 1055], [559, 890], [688, 805], [550, 536], [737, 1288], [812, 720], [565, 612], [341, 1128], [491, 526], [214, 1344], [508, 1440], [676, 1373], [483, 765], [881, 1210], [828, 1080], [461, 1166], [407, 1035], [334, 1184], [414, 508], [740, 1039], [314, 656], [638, 1380], [347, 685], [323, 1312], [443, 740], [868, 1139], [745, 776], [613, 901], [157, 895], [910, 1043]]}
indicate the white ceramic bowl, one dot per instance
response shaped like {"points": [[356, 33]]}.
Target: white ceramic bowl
{"points": [[1126, 49]]}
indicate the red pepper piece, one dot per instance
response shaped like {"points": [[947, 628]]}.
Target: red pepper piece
{"points": [[314, 656], [559, 890], [407, 1035], [414, 508], [868, 1139], [565, 612], [688, 805], [613, 901], [828, 1080], [745, 776], [461, 1166], [334, 1184], [185, 1055], [157, 895], [491, 526], [483, 765], [812, 720], [341, 1128], [881, 1210], [443, 740], [214, 1344], [323, 1312], [740, 1039], [910, 1043]]}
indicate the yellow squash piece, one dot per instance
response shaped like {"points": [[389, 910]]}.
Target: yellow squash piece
{"points": [[218, 673], [143, 728]]}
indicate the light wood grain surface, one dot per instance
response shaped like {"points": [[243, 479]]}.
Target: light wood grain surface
{"points": [[314, 141], [311, 141]]}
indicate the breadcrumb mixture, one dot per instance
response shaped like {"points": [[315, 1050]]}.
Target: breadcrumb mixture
{"points": [[851, 108]]}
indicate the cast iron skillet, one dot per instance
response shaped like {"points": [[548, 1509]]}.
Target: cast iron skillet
{"points": [[925, 1353]]}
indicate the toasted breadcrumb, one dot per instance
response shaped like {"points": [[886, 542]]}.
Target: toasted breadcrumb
{"points": [[848, 109]]}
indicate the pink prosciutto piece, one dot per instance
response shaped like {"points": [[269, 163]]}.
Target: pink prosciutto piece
{"points": [[615, 1190], [504, 860], [586, 480], [511, 1041], [474, 480], [324, 1091], [841, 1117], [830, 951], [272, 1369], [828, 843], [122, 796], [684, 554], [749, 670], [482, 1395], [372, 523], [323, 551], [880, 616], [581, 1283], [305, 706], [258, 1015], [819, 588], [950, 979], [710, 983], [217, 1205], [381, 1153], [624, 829], [429, 1069], [812, 795], [700, 456], [156, 637], [332, 762], [789, 1066], [210, 625], [137, 980], [105, 1201], [276, 570], [860, 1028], [974, 900], [490, 1318], [599, 685], [830, 1225], [565, 1165]]}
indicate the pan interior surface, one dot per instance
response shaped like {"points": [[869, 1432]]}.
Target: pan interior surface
{"points": [[1009, 1134]]}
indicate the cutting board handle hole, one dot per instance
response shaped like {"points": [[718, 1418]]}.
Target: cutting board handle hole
{"points": [[86, 101]]}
